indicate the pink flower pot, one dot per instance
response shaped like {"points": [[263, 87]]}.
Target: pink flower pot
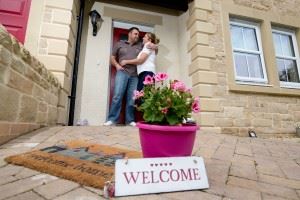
{"points": [[166, 141]]}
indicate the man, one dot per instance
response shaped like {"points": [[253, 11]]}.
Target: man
{"points": [[126, 78]]}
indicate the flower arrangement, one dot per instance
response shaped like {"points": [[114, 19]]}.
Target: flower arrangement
{"points": [[165, 104]]}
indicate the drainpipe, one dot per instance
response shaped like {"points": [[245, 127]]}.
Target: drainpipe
{"points": [[76, 62]]}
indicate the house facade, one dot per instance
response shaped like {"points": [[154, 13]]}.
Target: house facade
{"points": [[240, 57]]}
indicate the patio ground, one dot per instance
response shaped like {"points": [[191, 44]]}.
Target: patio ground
{"points": [[237, 167]]}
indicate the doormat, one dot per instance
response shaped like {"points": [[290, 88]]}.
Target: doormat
{"points": [[79, 161]]}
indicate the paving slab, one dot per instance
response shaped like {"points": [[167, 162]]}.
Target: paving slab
{"points": [[27, 196], [55, 188], [9, 170], [79, 194], [271, 197], [192, 195], [236, 192], [25, 173], [243, 171], [284, 182], [237, 167], [23, 185], [279, 191], [298, 192], [7, 179]]}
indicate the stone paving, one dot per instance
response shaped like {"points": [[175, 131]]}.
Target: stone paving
{"points": [[237, 168]]}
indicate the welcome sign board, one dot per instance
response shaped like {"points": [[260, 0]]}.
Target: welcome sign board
{"points": [[156, 175]]}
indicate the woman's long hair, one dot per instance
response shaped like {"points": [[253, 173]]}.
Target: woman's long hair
{"points": [[154, 39]]}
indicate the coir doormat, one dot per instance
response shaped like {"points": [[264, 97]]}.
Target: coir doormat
{"points": [[79, 161]]}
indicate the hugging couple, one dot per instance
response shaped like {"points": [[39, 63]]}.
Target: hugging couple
{"points": [[134, 61]]}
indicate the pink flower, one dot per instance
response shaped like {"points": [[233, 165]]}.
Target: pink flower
{"points": [[189, 90], [195, 105], [164, 110], [148, 80], [179, 86], [161, 77], [137, 94], [197, 99], [172, 85]]}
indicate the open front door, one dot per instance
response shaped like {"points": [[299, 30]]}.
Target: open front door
{"points": [[119, 34]]}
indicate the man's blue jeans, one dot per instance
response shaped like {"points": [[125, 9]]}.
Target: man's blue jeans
{"points": [[123, 81]]}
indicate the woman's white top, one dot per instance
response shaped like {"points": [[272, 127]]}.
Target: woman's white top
{"points": [[149, 64]]}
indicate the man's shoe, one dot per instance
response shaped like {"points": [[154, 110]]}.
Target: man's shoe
{"points": [[132, 124], [108, 123]]}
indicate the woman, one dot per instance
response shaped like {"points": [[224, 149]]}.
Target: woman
{"points": [[145, 61]]}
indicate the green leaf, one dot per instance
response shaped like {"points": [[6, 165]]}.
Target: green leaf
{"points": [[172, 119]]}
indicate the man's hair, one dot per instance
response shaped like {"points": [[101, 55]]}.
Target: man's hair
{"points": [[133, 28]]}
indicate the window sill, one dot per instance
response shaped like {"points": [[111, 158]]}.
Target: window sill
{"points": [[290, 86], [263, 89], [254, 84]]}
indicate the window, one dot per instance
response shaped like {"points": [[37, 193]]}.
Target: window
{"points": [[287, 57], [247, 52]]}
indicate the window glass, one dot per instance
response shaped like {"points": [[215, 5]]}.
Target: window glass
{"points": [[287, 45], [237, 37], [254, 64], [276, 40], [241, 65], [250, 39], [286, 58], [248, 56], [291, 70], [281, 70]]}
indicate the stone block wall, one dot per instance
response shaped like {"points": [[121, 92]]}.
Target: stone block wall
{"points": [[203, 55], [29, 93], [283, 8], [225, 109], [56, 47]]}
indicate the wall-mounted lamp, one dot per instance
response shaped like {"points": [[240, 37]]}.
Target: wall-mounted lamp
{"points": [[96, 19]]}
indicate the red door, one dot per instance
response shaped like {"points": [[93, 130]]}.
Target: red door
{"points": [[119, 34], [14, 16]]}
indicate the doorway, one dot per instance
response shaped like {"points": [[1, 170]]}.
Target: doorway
{"points": [[120, 32]]}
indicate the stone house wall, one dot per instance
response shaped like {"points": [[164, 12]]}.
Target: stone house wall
{"points": [[226, 106], [29, 93], [53, 39]]}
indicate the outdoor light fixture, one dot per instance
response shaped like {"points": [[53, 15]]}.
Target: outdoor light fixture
{"points": [[96, 19]]}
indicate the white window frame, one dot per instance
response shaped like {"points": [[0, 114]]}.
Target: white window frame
{"points": [[254, 26], [291, 33]]}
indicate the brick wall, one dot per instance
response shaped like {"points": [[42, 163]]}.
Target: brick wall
{"points": [[29, 93]]}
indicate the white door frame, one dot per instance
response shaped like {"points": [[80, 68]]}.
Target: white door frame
{"points": [[128, 25]]}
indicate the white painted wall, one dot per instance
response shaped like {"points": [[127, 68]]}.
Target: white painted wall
{"points": [[34, 25], [93, 93], [168, 54], [94, 86], [184, 56]]}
